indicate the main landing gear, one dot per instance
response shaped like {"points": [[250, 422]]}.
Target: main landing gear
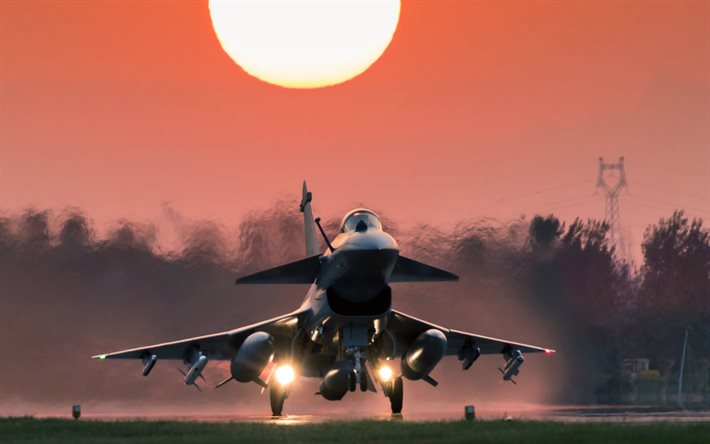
{"points": [[278, 395], [394, 390], [280, 387], [397, 395]]}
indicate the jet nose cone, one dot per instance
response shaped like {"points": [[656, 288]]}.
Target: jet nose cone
{"points": [[363, 262], [370, 253], [370, 240]]}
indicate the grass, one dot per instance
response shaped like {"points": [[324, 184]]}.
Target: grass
{"points": [[29, 430]]}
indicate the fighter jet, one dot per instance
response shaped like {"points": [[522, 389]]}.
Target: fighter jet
{"points": [[345, 332]]}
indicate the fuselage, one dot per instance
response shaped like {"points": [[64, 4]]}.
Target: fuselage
{"points": [[350, 300]]}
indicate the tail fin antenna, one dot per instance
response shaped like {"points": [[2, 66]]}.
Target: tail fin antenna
{"points": [[309, 224]]}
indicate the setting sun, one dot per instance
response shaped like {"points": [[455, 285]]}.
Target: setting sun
{"points": [[305, 44]]}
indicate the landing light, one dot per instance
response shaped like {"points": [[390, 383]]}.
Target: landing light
{"points": [[385, 373], [285, 374]]}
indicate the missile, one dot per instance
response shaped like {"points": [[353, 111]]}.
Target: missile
{"points": [[149, 362], [196, 370], [468, 353], [512, 367]]}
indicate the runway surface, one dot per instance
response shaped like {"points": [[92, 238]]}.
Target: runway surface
{"points": [[569, 414]]}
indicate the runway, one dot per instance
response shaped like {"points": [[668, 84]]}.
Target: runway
{"points": [[564, 414]]}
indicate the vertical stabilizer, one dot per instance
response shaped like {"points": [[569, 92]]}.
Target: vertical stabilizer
{"points": [[309, 225]]}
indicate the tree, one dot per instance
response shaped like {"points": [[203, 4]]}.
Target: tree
{"points": [[676, 270], [675, 291]]}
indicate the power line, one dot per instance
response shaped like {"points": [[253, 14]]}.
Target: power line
{"points": [[669, 190], [662, 206], [545, 190], [571, 200], [643, 204], [586, 202], [665, 202]]}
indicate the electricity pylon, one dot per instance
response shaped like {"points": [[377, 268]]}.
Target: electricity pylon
{"points": [[612, 179]]}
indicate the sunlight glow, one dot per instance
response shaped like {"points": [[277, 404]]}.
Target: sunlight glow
{"points": [[304, 44]]}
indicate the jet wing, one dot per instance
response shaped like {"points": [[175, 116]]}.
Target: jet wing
{"points": [[303, 271], [405, 328], [220, 346], [409, 270]]}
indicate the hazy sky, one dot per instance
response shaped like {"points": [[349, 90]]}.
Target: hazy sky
{"points": [[476, 109]]}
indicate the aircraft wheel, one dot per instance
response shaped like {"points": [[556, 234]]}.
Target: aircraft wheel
{"points": [[397, 396], [363, 382], [352, 381], [277, 396]]}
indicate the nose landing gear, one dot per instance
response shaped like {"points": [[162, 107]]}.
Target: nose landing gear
{"points": [[361, 379], [359, 374]]}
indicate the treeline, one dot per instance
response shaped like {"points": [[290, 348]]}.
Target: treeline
{"points": [[68, 292], [602, 311]]}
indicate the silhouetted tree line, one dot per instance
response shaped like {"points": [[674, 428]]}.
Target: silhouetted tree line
{"points": [[631, 315]]}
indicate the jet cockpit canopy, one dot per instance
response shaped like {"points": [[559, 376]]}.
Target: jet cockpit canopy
{"points": [[358, 219]]}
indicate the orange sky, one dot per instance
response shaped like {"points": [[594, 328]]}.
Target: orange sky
{"points": [[116, 107]]}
